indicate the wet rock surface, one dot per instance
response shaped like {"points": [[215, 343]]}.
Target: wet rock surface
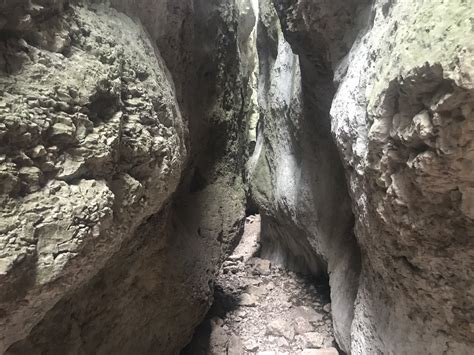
{"points": [[261, 308]]}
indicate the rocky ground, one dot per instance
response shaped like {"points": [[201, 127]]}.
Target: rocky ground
{"points": [[264, 308]]}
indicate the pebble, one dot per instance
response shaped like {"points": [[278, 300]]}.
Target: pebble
{"points": [[313, 340], [252, 346], [248, 300], [302, 326], [281, 327]]}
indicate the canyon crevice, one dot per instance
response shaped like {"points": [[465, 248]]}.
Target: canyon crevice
{"points": [[135, 136]]}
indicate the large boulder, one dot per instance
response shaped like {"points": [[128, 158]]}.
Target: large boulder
{"points": [[117, 206], [92, 145], [403, 120], [397, 78]]}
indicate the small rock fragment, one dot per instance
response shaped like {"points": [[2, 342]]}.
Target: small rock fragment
{"points": [[261, 266], [248, 300], [313, 340], [302, 326], [235, 346], [280, 327]]}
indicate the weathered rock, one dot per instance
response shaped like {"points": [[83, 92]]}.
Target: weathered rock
{"points": [[281, 327], [122, 147], [407, 144], [261, 266], [252, 346], [302, 325], [313, 340], [402, 119], [218, 340], [235, 346], [61, 221], [94, 142], [298, 181], [308, 314], [248, 300]]}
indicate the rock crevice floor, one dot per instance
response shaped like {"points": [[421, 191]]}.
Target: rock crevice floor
{"points": [[262, 308]]}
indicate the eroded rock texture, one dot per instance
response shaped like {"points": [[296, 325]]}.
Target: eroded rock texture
{"points": [[125, 127], [403, 122], [96, 133], [297, 177], [92, 145]]}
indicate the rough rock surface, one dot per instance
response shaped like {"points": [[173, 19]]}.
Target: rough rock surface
{"points": [[402, 118], [94, 141], [263, 308], [297, 179], [123, 138], [92, 145]]}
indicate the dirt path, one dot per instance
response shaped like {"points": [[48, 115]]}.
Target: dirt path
{"points": [[261, 308]]}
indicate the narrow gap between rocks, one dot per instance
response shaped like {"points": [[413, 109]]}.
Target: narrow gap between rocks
{"points": [[262, 307]]}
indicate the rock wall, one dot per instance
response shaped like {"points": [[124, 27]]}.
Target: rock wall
{"points": [[403, 121], [92, 145], [397, 77], [125, 127], [297, 178], [117, 206]]}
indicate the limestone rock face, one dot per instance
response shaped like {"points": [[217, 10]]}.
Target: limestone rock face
{"points": [[92, 145], [106, 248], [23, 16], [402, 119], [125, 128], [297, 179], [404, 124]]}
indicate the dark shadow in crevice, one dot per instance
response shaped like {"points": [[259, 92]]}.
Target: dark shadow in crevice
{"points": [[251, 207], [223, 303], [286, 245]]}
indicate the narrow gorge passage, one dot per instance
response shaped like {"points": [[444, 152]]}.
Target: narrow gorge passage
{"points": [[236, 177], [261, 307]]}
